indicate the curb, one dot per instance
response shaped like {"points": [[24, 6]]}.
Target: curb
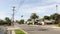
{"points": [[13, 32], [19, 29], [24, 31]]}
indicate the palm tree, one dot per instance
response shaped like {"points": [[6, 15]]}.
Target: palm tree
{"points": [[34, 16]]}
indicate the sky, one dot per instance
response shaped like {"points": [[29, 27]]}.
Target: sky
{"points": [[27, 7]]}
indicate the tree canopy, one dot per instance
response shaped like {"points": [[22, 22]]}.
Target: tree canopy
{"points": [[21, 21], [54, 16], [7, 20], [46, 17], [29, 20], [34, 16]]}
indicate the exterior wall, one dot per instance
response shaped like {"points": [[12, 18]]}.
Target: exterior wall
{"points": [[46, 21], [49, 21], [30, 22]]}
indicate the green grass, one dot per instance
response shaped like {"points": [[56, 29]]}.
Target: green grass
{"points": [[17, 31]]}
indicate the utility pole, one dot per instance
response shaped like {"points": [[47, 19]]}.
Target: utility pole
{"points": [[13, 15], [56, 12], [56, 8]]}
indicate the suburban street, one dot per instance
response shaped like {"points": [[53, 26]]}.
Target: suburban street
{"points": [[35, 29]]}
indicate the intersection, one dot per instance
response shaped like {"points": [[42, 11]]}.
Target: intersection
{"points": [[37, 29]]}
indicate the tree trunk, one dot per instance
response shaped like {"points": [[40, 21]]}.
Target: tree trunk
{"points": [[34, 21]]}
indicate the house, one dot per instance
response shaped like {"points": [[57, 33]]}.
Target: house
{"points": [[49, 21], [46, 22]]}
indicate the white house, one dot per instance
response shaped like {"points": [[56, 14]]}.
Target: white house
{"points": [[46, 21], [49, 21]]}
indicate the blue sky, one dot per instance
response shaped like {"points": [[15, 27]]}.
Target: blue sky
{"points": [[26, 7]]}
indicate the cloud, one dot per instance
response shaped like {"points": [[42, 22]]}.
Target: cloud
{"points": [[3, 15], [41, 7], [26, 10], [41, 2]]}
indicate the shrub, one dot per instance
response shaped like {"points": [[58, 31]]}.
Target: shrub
{"points": [[59, 24], [30, 23], [21, 22]]}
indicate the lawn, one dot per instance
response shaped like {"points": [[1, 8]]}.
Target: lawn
{"points": [[17, 31]]}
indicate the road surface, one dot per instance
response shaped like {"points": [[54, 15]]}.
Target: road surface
{"points": [[31, 29]]}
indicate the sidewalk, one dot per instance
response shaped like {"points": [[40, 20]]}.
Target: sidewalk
{"points": [[13, 32], [11, 29]]}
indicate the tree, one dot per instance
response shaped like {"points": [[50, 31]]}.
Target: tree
{"points": [[41, 19], [7, 20], [2, 22], [29, 20], [17, 21], [46, 17], [57, 19], [53, 16], [34, 16], [21, 21]]}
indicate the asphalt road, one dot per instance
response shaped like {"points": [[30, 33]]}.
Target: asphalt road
{"points": [[30, 29]]}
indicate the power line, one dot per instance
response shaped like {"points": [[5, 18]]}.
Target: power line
{"points": [[20, 4]]}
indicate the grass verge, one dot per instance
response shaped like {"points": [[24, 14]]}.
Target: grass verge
{"points": [[17, 31]]}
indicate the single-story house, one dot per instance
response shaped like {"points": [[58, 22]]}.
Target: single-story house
{"points": [[47, 22]]}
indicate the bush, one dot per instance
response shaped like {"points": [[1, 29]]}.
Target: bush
{"points": [[21, 22], [59, 24], [30, 23], [2, 22]]}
